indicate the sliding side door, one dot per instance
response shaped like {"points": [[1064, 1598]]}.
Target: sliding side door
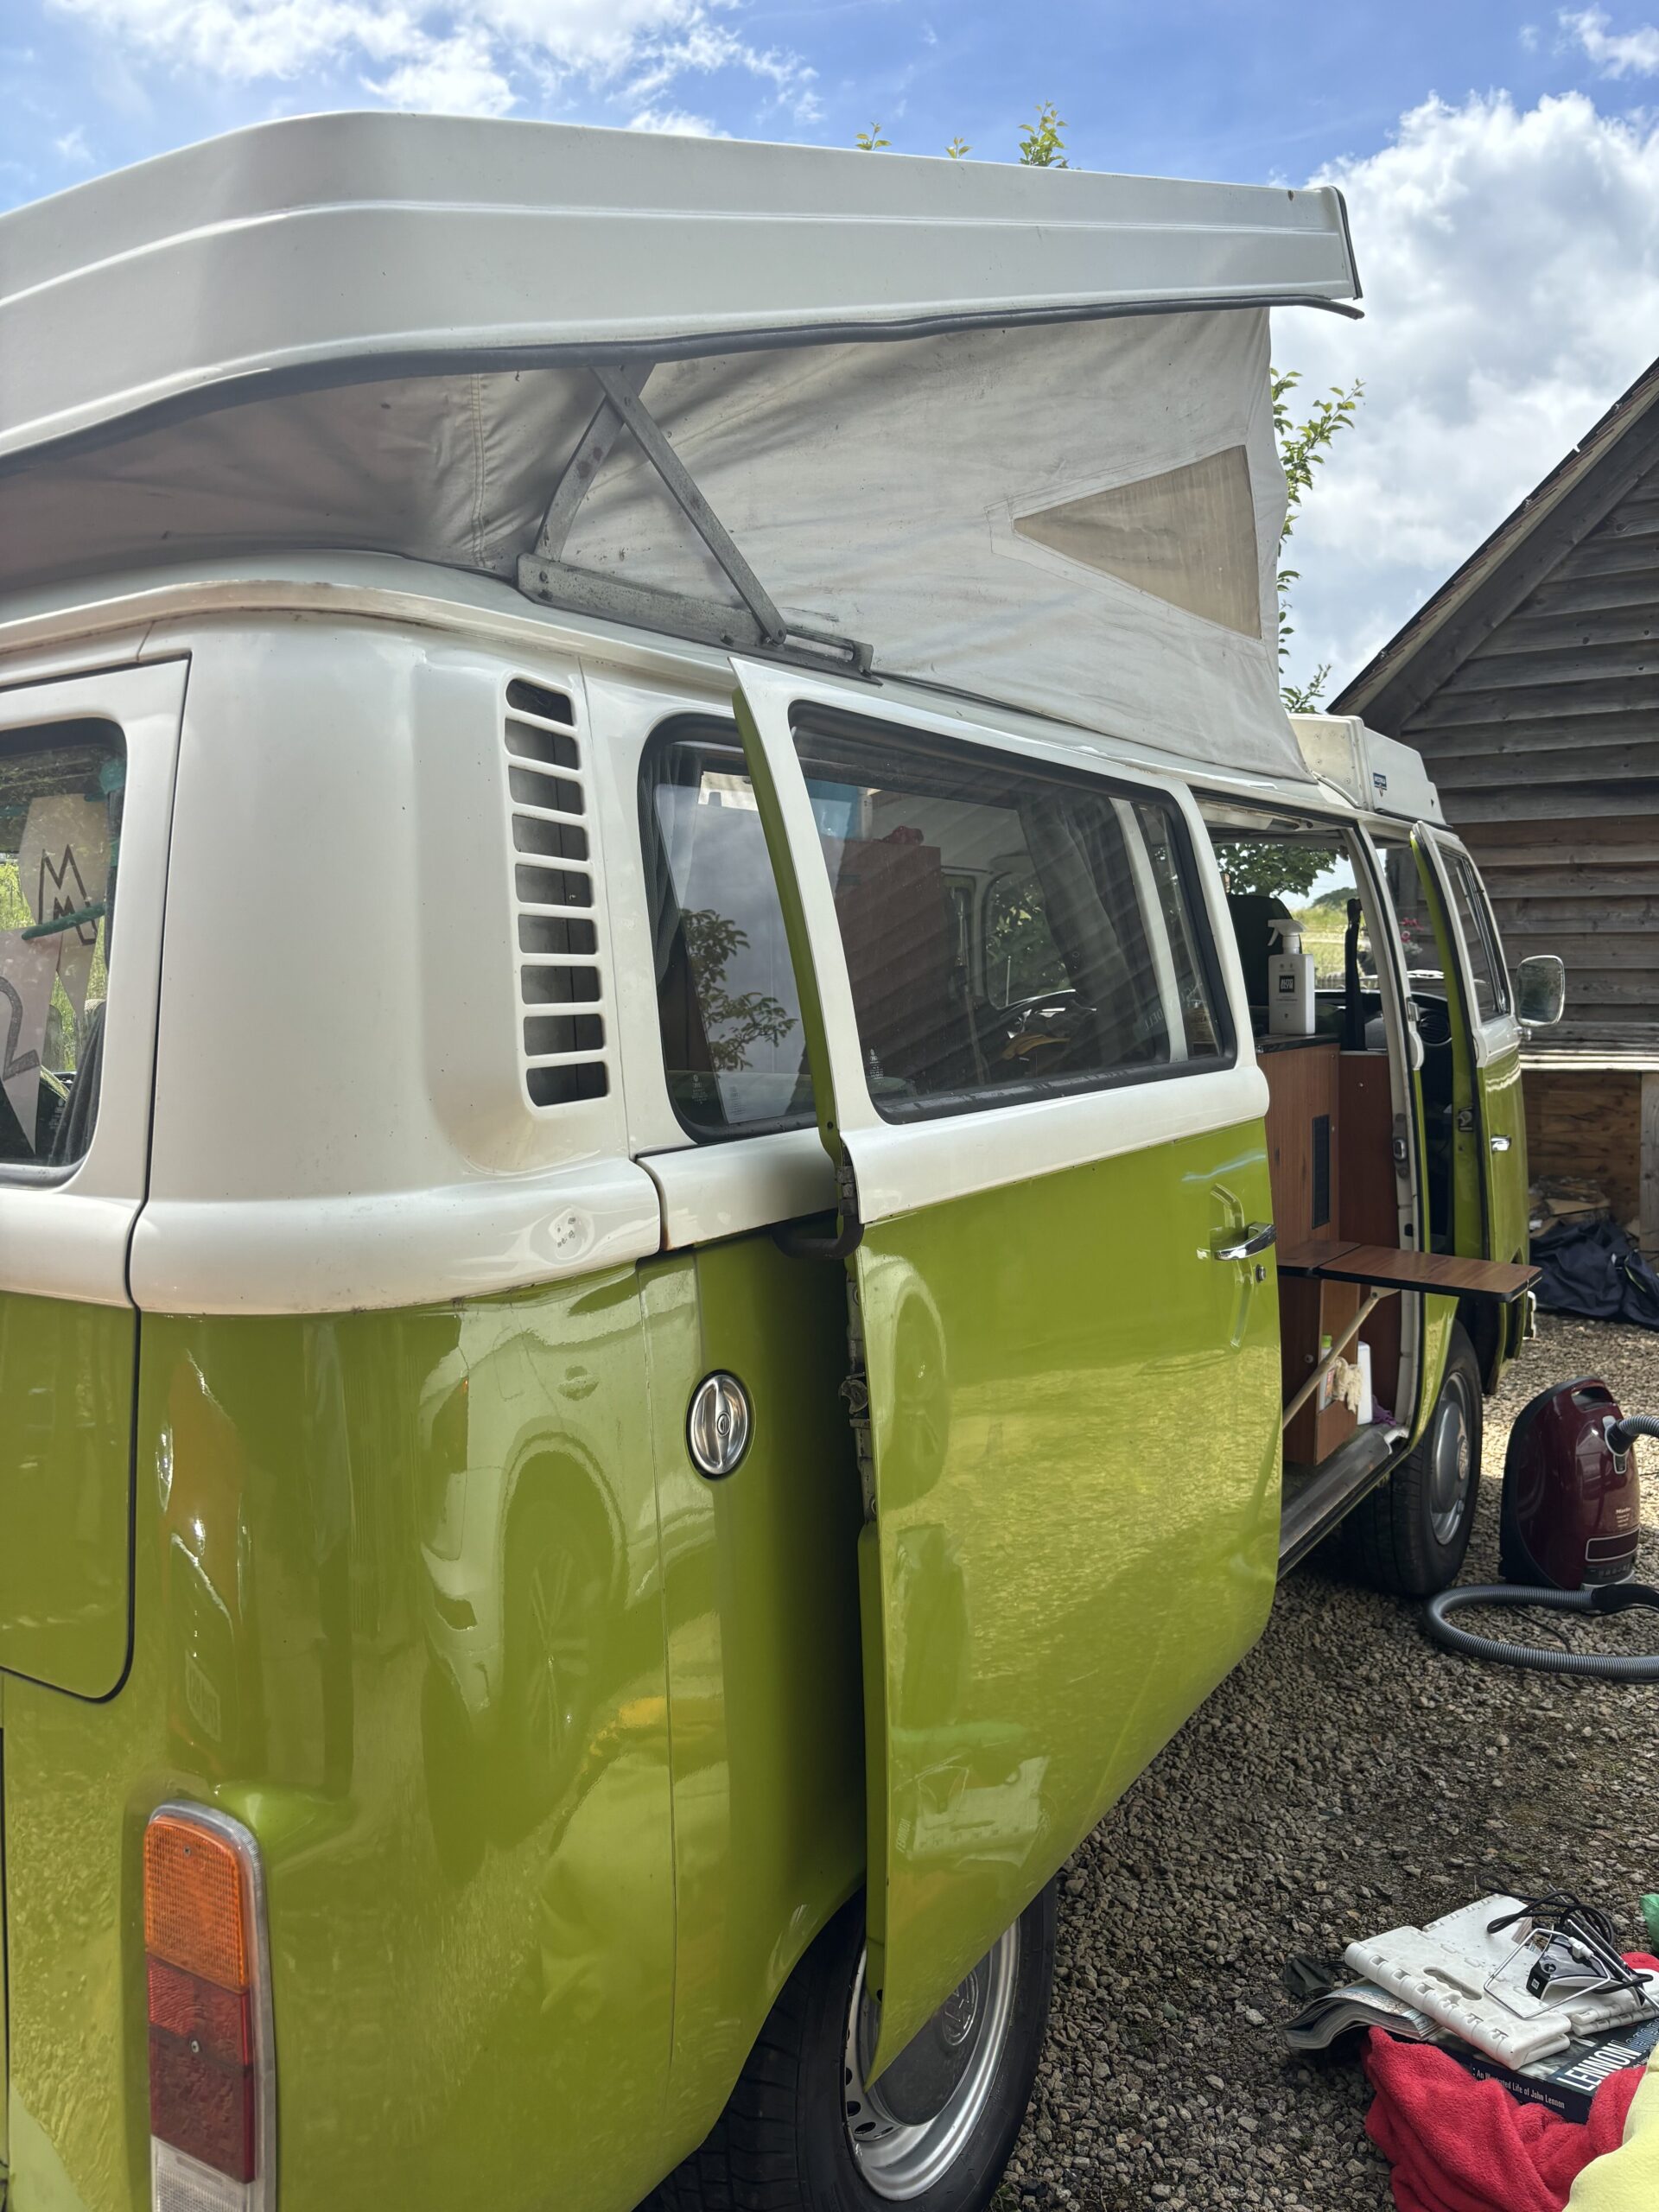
{"points": [[1013, 977]]}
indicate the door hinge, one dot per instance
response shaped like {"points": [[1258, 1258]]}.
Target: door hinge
{"points": [[1465, 1121]]}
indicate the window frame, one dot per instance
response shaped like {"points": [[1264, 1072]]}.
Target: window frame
{"points": [[937, 1106], [37, 1174], [1463, 869], [853, 728], [1490, 1031], [686, 729]]}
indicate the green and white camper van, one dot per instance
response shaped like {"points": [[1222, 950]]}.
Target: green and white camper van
{"points": [[713, 1141]]}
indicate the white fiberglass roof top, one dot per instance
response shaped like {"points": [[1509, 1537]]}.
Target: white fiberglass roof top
{"points": [[331, 248]]}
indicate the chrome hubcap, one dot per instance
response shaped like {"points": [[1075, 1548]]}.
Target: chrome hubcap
{"points": [[908, 2129], [1452, 1466]]}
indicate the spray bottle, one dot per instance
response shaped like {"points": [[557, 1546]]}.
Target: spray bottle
{"points": [[1290, 983]]}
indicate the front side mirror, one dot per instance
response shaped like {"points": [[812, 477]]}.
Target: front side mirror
{"points": [[1540, 989]]}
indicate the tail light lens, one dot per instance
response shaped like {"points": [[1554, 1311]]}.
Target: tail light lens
{"points": [[212, 2139]]}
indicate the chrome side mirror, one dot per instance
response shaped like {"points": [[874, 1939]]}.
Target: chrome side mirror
{"points": [[1540, 990]]}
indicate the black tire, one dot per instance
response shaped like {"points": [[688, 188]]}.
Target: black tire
{"points": [[1405, 1538], [784, 2141]]}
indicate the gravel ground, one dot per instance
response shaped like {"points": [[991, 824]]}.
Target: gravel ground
{"points": [[1348, 1777]]}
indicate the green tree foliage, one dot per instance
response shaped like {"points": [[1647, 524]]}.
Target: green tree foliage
{"points": [[1286, 872], [1021, 961], [1303, 448], [731, 1025], [871, 141], [1042, 146]]}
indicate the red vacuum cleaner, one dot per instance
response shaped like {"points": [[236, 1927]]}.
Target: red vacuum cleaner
{"points": [[1571, 1500], [1571, 1525]]}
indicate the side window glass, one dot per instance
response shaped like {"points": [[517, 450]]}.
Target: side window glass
{"points": [[60, 797], [1411, 905], [1009, 929], [1480, 935], [734, 1046]]}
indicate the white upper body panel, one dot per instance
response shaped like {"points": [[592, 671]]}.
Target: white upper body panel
{"points": [[343, 1114]]}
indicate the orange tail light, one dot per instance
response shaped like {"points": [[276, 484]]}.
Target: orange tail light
{"points": [[211, 2105]]}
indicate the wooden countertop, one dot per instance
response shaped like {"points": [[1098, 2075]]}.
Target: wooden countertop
{"points": [[1387, 1269]]}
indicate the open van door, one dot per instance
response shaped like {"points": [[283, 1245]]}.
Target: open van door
{"points": [[1016, 981], [1491, 1127]]}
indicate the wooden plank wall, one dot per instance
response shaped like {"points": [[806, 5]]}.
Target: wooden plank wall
{"points": [[1544, 742], [1587, 1121]]}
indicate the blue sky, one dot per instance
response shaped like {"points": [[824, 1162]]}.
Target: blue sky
{"points": [[1502, 164], [1188, 87]]}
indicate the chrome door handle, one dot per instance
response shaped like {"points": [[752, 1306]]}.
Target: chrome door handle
{"points": [[1257, 1238], [1500, 1144]]}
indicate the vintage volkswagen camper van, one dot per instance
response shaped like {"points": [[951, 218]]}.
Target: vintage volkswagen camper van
{"points": [[713, 1142]]}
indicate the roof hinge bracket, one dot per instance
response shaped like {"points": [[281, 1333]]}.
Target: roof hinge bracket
{"points": [[758, 625]]}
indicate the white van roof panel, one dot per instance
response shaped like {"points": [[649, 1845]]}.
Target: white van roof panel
{"points": [[1054, 484], [320, 245], [1378, 773]]}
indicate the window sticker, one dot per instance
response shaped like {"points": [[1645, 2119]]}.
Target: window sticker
{"points": [[63, 870]]}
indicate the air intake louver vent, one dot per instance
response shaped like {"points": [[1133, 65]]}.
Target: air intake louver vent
{"points": [[555, 899]]}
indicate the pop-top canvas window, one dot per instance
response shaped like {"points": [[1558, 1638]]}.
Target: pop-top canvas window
{"points": [[61, 789]]}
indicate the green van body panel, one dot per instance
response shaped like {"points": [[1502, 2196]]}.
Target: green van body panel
{"points": [[401, 1606], [1075, 1433], [760, 1580], [66, 1481]]}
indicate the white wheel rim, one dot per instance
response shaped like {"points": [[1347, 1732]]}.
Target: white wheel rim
{"points": [[901, 2159]]}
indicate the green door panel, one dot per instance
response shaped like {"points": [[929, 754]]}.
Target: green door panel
{"points": [[66, 1481], [1503, 1121], [399, 1604], [761, 1601], [1072, 1480], [1075, 1435], [1490, 1202]]}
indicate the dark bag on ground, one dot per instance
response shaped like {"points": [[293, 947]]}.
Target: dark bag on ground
{"points": [[1593, 1269]]}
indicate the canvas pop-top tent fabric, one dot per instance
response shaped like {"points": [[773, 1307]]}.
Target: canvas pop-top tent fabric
{"points": [[955, 441]]}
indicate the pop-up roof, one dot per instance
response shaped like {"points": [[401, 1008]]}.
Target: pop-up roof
{"points": [[1007, 428]]}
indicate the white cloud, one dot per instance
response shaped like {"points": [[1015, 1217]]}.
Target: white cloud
{"points": [[1616, 53], [459, 55], [450, 76], [73, 147], [1511, 259], [675, 123]]}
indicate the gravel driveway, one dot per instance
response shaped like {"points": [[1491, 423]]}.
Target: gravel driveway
{"points": [[1347, 1778]]}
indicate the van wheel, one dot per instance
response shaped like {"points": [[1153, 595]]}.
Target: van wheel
{"points": [[1409, 1536], [803, 2133]]}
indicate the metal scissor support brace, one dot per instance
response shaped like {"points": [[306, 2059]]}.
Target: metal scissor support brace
{"points": [[756, 626]]}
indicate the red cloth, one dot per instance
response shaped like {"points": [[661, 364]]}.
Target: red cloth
{"points": [[1457, 2145]]}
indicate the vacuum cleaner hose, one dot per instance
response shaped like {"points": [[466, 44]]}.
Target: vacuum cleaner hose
{"points": [[1614, 1598], [1624, 1431]]}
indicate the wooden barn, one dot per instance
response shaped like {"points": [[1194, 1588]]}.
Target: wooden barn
{"points": [[1531, 683]]}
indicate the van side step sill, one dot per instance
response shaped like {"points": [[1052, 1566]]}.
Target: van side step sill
{"points": [[1315, 1499]]}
